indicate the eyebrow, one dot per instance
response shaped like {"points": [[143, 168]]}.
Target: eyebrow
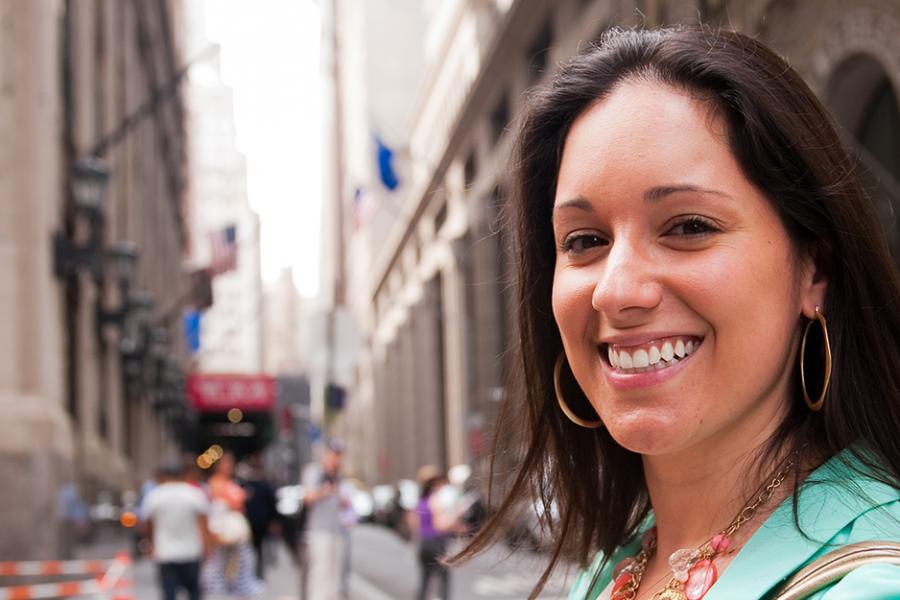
{"points": [[652, 195], [658, 193]]}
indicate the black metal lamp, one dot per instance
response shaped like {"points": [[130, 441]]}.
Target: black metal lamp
{"points": [[89, 179], [121, 261], [142, 304], [135, 341], [159, 343]]}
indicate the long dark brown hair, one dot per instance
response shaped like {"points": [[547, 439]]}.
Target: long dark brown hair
{"points": [[788, 147]]}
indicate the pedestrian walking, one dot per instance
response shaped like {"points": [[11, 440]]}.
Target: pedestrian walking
{"points": [[74, 519], [175, 514], [231, 567], [435, 525], [260, 506], [327, 506]]}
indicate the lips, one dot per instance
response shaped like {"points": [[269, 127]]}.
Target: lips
{"points": [[653, 355]]}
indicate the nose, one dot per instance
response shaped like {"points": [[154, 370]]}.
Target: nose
{"points": [[628, 285]]}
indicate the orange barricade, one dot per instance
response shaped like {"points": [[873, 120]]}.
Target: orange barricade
{"points": [[100, 579]]}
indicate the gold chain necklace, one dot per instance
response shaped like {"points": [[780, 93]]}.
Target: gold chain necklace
{"points": [[693, 571]]}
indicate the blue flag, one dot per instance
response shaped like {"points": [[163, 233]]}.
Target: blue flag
{"points": [[386, 165], [191, 322]]}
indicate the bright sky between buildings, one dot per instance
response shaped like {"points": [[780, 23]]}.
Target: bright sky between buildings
{"points": [[270, 57]]}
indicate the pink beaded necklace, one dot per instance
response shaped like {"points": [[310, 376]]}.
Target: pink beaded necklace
{"points": [[693, 570]]}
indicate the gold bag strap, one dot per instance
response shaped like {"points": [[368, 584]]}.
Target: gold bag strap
{"points": [[832, 567]]}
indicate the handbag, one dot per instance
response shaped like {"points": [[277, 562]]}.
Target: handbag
{"points": [[832, 567], [230, 527]]}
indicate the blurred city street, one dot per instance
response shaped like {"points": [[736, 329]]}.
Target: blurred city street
{"points": [[255, 270], [383, 568]]}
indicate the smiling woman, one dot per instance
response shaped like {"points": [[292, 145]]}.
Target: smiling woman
{"points": [[687, 220], [657, 257]]}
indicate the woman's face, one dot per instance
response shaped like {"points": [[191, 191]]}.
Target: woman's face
{"points": [[225, 465], [677, 291]]}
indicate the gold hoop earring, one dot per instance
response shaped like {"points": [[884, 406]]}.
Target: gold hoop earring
{"points": [[557, 369], [817, 405]]}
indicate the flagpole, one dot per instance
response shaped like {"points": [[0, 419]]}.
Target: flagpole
{"points": [[339, 237]]}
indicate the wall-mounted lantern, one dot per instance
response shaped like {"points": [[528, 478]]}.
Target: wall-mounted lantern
{"points": [[121, 260], [135, 340], [159, 343], [89, 179], [121, 264]]}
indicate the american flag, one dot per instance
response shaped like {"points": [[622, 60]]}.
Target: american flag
{"points": [[224, 250], [364, 206]]}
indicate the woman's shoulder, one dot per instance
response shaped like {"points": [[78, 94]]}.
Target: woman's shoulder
{"points": [[870, 580], [847, 490], [841, 503]]}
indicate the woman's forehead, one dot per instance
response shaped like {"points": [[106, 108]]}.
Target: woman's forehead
{"points": [[646, 133]]}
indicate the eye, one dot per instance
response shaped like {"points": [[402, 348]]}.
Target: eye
{"points": [[693, 226], [578, 243]]}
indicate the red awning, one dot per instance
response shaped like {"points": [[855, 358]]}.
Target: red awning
{"points": [[221, 392]]}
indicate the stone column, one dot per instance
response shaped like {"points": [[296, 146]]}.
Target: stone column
{"points": [[379, 416], [406, 375], [36, 439], [91, 453], [457, 377], [430, 414]]}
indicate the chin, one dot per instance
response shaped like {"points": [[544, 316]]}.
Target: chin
{"points": [[649, 436]]}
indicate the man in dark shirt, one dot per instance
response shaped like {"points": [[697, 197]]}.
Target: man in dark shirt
{"points": [[260, 508]]}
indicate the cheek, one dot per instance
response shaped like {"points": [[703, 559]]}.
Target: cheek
{"points": [[756, 278], [571, 299]]}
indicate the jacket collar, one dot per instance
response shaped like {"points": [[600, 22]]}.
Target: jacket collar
{"points": [[831, 498]]}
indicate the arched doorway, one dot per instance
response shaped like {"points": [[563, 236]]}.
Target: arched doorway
{"points": [[863, 99]]}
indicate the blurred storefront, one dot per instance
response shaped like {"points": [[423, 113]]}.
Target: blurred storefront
{"points": [[424, 97], [235, 411], [93, 236]]}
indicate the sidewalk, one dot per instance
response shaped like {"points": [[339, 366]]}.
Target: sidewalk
{"points": [[384, 567], [282, 578]]}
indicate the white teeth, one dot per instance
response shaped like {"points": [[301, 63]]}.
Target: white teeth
{"points": [[667, 352], [641, 359], [652, 358]]}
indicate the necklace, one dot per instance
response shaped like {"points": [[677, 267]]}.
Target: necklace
{"points": [[693, 570]]}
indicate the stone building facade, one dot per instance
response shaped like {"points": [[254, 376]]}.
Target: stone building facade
{"points": [[433, 295], [91, 361]]}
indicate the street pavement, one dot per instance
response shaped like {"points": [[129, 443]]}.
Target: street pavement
{"points": [[383, 567]]}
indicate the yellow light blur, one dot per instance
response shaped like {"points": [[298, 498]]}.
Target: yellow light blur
{"points": [[215, 452], [204, 461], [128, 519], [235, 415]]}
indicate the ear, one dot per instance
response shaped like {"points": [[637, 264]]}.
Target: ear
{"points": [[813, 284]]}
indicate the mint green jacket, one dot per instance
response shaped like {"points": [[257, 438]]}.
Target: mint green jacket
{"points": [[837, 507]]}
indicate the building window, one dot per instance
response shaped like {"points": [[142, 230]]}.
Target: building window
{"points": [[499, 118], [863, 100], [470, 170], [539, 52], [879, 130], [440, 217]]}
